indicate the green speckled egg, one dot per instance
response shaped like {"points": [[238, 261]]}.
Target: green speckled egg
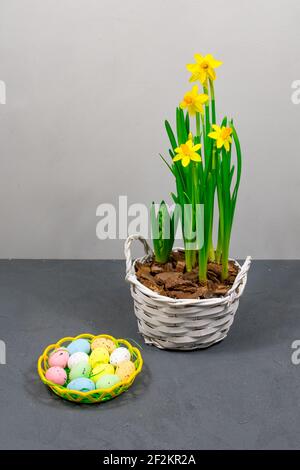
{"points": [[107, 381], [80, 370]]}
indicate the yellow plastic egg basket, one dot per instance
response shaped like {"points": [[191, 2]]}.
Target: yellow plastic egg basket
{"points": [[95, 396]]}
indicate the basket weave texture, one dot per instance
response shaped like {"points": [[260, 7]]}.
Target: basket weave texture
{"points": [[95, 396], [181, 324]]}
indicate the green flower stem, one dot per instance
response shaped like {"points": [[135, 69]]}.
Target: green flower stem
{"points": [[213, 102], [189, 255], [221, 208], [207, 119], [188, 217], [194, 258], [202, 238], [220, 242], [204, 136], [211, 250], [203, 124], [225, 256], [224, 273], [210, 245], [198, 130], [195, 194], [202, 264]]}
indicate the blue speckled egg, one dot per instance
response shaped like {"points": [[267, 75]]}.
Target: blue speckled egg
{"points": [[81, 385], [79, 345]]}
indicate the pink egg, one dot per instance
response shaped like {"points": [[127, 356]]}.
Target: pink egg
{"points": [[57, 375], [59, 358]]}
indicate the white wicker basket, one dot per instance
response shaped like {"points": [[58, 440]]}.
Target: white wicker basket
{"points": [[181, 324]]}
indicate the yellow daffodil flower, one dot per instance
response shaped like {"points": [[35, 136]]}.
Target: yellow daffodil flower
{"points": [[203, 68], [194, 101], [187, 152], [222, 135]]}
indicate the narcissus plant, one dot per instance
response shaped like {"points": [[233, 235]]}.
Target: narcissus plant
{"points": [[206, 162]]}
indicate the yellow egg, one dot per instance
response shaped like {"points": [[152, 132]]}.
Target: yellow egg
{"points": [[103, 343], [101, 369], [125, 370], [99, 356]]}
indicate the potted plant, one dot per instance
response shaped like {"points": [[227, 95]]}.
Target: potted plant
{"points": [[187, 298]]}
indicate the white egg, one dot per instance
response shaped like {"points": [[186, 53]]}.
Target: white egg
{"points": [[119, 355], [77, 358]]}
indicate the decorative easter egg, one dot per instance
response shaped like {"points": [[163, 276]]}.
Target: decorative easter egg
{"points": [[107, 381], [82, 369], [101, 369], [103, 343], [79, 345], [57, 375], [77, 358], [125, 370], [59, 358], [99, 356], [119, 355], [81, 385]]}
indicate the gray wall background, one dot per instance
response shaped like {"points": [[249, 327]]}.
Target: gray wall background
{"points": [[89, 84]]}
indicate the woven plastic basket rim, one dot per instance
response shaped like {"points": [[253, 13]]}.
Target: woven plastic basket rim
{"points": [[59, 388]]}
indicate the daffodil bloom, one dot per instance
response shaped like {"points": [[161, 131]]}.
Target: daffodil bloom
{"points": [[203, 68], [187, 152], [222, 135], [193, 101]]}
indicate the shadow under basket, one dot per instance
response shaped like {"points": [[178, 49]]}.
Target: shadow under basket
{"points": [[181, 324]]}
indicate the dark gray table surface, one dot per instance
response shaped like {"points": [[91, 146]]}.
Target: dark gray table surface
{"points": [[243, 393]]}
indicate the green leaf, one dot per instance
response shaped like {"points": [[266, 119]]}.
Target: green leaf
{"points": [[183, 126], [224, 122], [187, 123], [162, 232], [171, 135], [171, 154], [239, 159], [179, 127], [175, 198], [239, 169], [170, 168]]}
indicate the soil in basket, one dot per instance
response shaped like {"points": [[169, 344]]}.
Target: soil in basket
{"points": [[172, 280]]}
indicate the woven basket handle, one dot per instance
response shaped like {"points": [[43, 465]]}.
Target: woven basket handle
{"points": [[242, 274], [127, 252], [244, 269]]}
